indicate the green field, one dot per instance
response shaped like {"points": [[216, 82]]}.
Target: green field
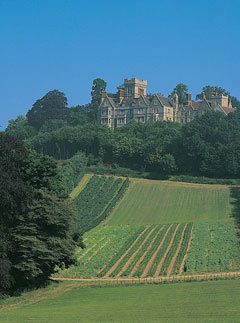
{"points": [[157, 229], [214, 301], [155, 202]]}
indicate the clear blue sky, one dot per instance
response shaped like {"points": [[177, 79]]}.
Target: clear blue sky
{"points": [[65, 44]]}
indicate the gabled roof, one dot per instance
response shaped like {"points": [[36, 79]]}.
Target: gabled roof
{"points": [[165, 101], [145, 99], [227, 110], [110, 101]]}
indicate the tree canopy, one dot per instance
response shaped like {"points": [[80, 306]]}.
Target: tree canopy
{"points": [[35, 222], [53, 105]]}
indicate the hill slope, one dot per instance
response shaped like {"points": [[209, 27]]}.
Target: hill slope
{"points": [[155, 202], [158, 228]]}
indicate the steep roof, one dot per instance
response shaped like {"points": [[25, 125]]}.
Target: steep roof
{"points": [[165, 101], [228, 110]]}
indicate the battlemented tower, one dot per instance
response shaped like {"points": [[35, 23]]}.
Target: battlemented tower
{"points": [[135, 87]]}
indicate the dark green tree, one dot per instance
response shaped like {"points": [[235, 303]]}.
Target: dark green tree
{"points": [[99, 86], [208, 91], [35, 222], [53, 105], [20, 128], [181, 90]]}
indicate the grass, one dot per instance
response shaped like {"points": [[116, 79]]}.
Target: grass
{"points": [[157, 202], [214, 301]]}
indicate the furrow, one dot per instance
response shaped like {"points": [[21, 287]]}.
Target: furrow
{"points": [[114, 267], [125, 267], [166, 252], [135, 268], [172, 263], [151, 261], [185, 256]]}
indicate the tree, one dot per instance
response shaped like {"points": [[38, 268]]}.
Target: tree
{"points": [[20, 128], [235, 102], [181, 90], [208, 91], [53, 105], [35, 222], [99, 86]]}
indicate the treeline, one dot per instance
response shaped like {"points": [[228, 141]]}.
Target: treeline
{"points": [[207, 146]]}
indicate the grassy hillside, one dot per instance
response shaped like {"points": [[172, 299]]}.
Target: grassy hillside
{"points": [[157, 229], [156, 202], [215, 301]]}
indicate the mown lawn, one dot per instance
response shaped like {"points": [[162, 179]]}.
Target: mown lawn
{"points": [[215, 301], [156, 202]]}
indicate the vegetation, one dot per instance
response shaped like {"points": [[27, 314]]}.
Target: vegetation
{"points": [[131, 251], [166, 202], [96, 200], [210, 242], [103, 244], [213, 301], [207, 146], [35, 221]]}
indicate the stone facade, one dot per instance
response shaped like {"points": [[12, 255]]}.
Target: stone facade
{"points": [[131, 102]]}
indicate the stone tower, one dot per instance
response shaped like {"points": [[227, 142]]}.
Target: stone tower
{"points": [[135, 87]]}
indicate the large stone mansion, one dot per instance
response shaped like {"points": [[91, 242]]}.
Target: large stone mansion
{"points": [[131, 102]]}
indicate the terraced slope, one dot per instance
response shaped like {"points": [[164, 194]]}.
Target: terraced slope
{"points": [[155, 202]]}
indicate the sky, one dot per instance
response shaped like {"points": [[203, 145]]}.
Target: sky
{"points": [[65, 44]]}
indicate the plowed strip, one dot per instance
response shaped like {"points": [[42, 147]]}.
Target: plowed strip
{"points": [[151, 261], [159, 267], [125, 267], [114, 267], [172, 263], [185, 256], [135, 268]]}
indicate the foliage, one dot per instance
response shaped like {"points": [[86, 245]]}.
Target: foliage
{"points": [[35, 224], [209, 91], [181, 90], [53, 105], [103, 244], [20, 128], [96, 201], [204, 180], [99, 86], [71, 171], [214, 248], [129, 249], [209, 146]]}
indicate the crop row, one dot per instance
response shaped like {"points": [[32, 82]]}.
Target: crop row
{"points": [[214, 248], [159, 250], [96, 200], [132, 251], [103, 244]]}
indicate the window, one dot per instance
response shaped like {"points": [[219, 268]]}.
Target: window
{"points": [[121, 121], [140, 119]]}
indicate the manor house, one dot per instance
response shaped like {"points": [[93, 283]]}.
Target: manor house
{"points": [[131, 102]]}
